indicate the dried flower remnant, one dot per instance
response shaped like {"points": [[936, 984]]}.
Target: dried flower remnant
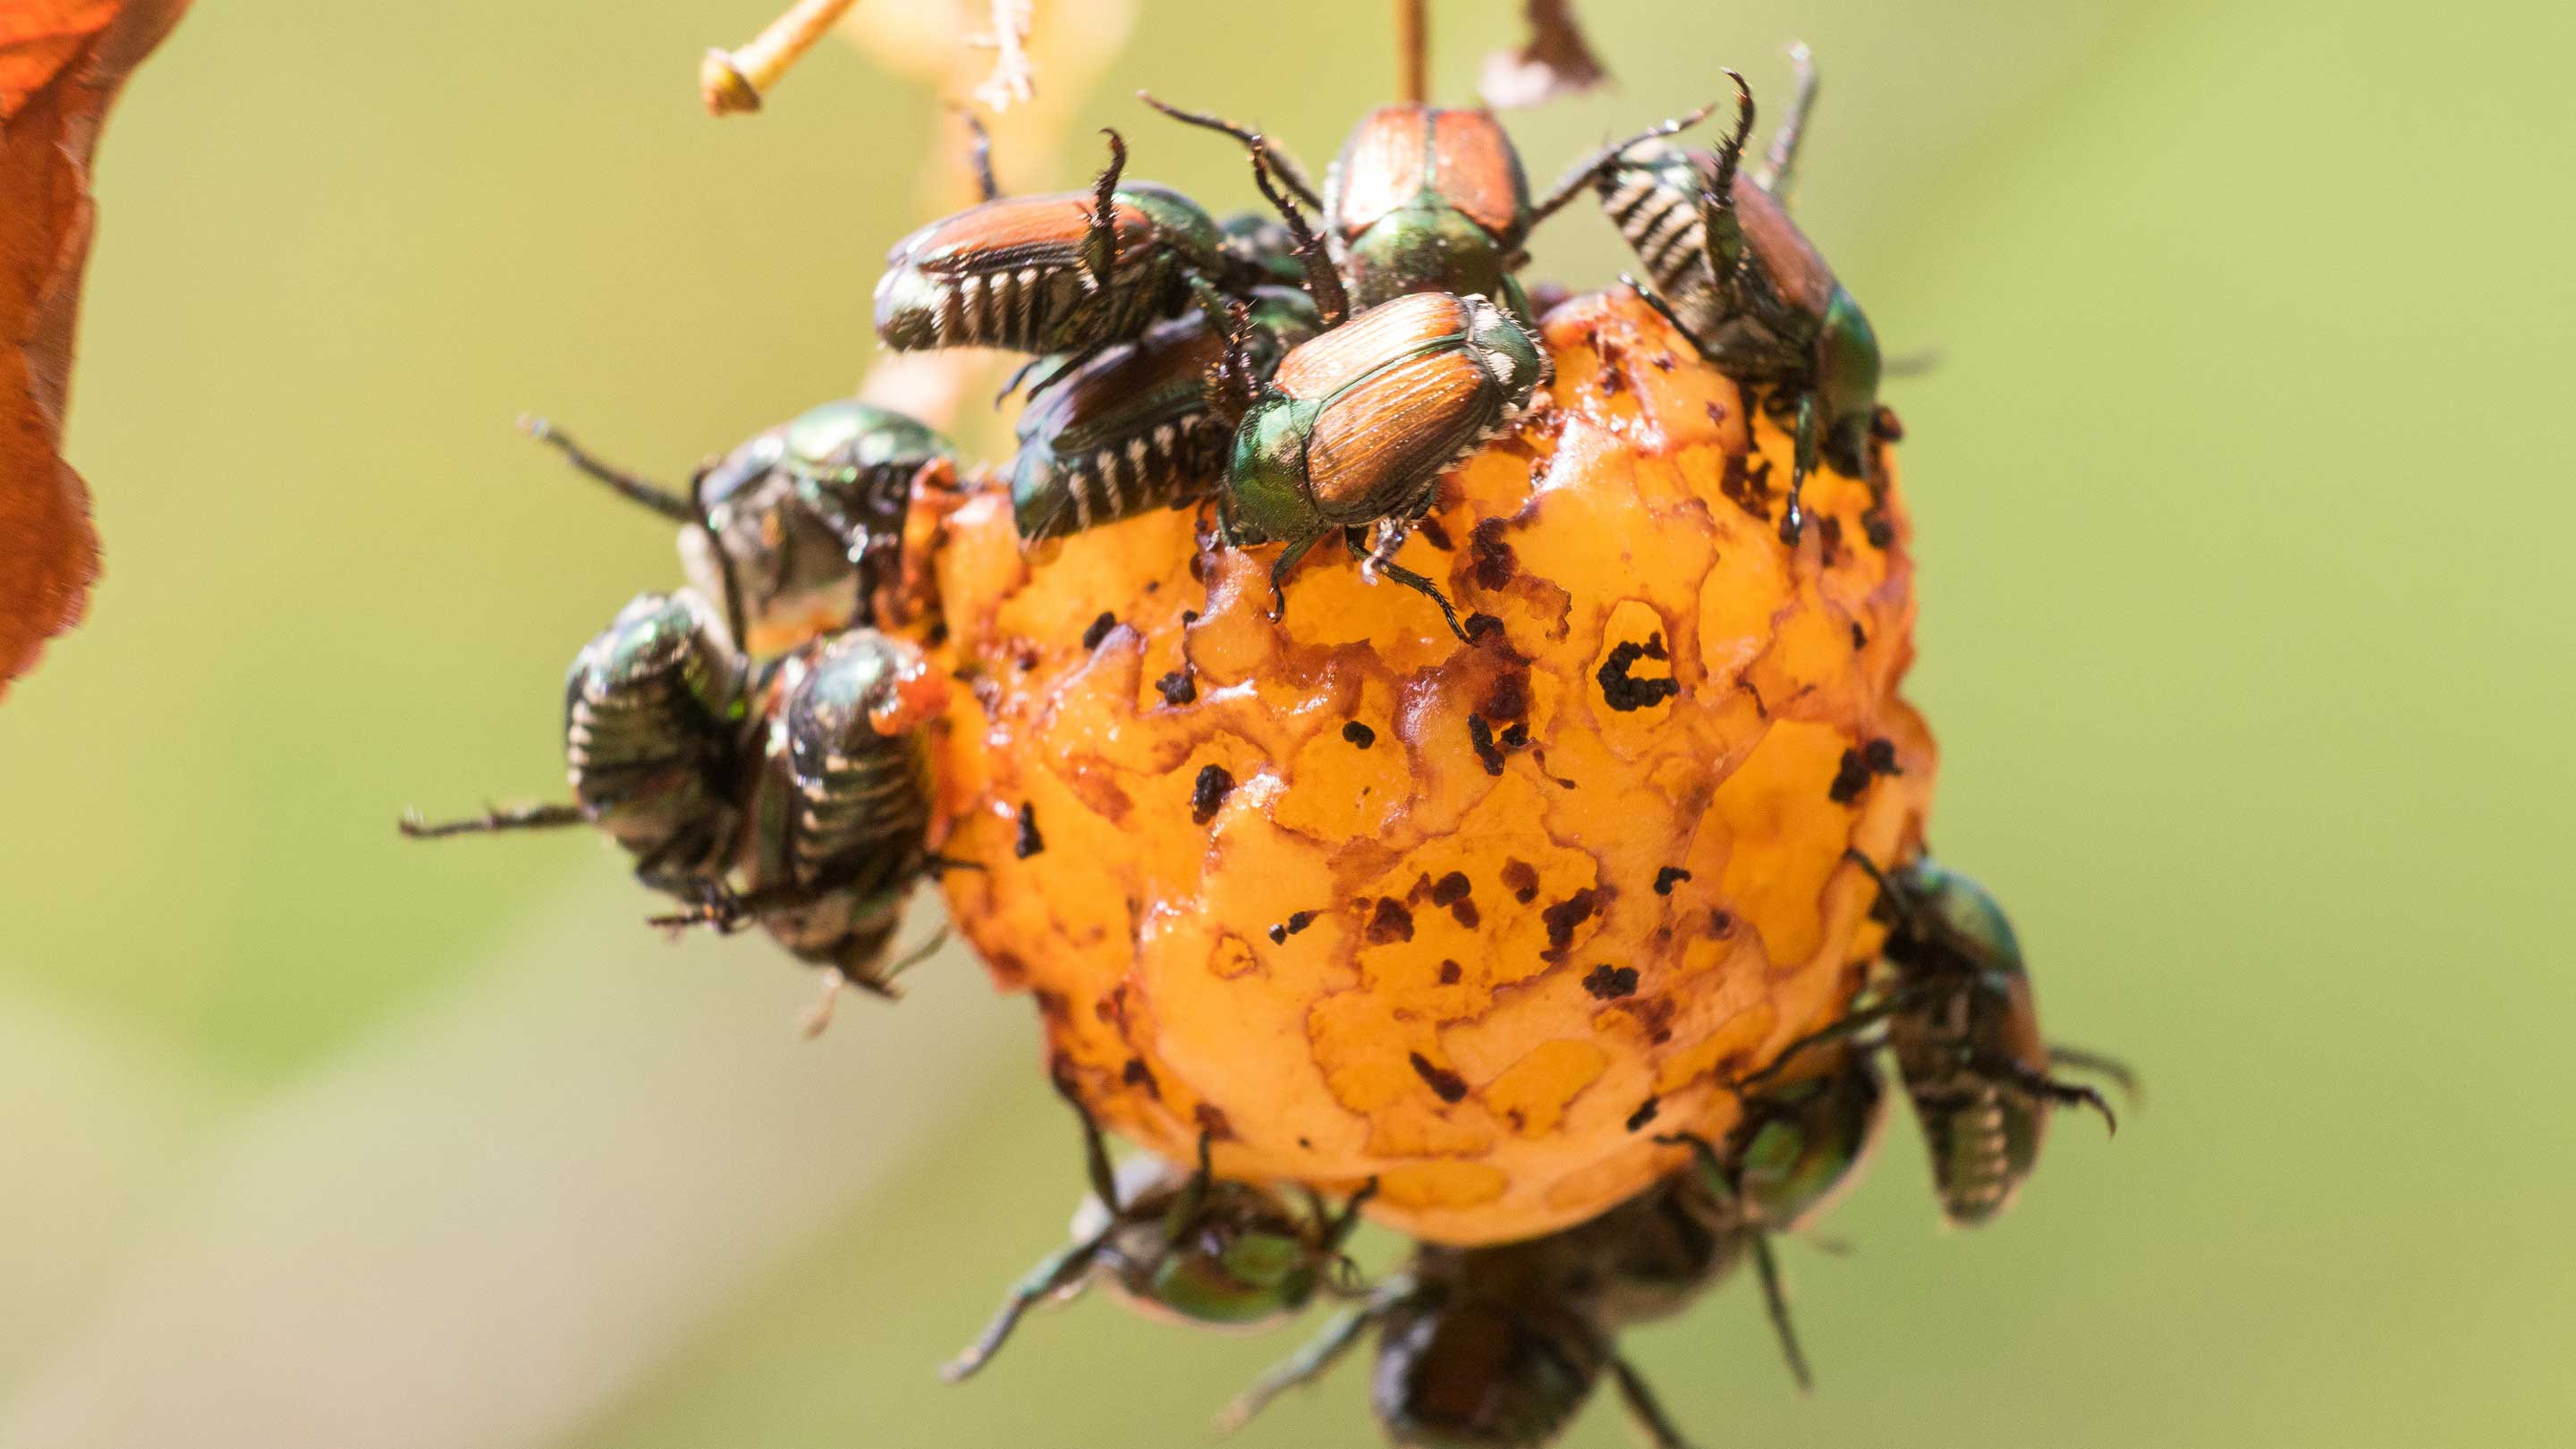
{"points": [[733, 82], [1555, 61]]}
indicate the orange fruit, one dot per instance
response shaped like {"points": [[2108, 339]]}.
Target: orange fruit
{"points": [[1360, 901]]}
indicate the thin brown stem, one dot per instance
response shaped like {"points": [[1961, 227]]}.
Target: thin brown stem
{"points": [[1412, 50], [732, 82]]}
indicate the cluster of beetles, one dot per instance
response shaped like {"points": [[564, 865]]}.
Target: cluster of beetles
{"points": [[1314, 384]]}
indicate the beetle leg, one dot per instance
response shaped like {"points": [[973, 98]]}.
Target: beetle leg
{"points": [[1723, 229], [652, 495], [1339, 1229], [518, 817], [1579, 176], [1323, 283], [1652, 298], [1313, 1361], [2043, 1086], [1780, 167], [1289, 171], [857, 541], [1643, 1407], [1288, 558], [1095, 1150], [1100, 243], [1775, 1299], [1398, 573], [1850, 1024], [981, 155], [1802, 461], [2112, 1067], [1192, 1198], [1060, 1271]]}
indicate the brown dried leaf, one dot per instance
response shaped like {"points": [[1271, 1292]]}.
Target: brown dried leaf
{"points": [[1556, 61], [61, 62]]}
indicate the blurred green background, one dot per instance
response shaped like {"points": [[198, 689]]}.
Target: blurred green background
{"points": [[2245, 630]]}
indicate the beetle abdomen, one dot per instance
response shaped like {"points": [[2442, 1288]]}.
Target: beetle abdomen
{"points": [[1009, 274]]}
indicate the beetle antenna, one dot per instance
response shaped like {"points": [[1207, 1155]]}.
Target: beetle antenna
{"points": [[1289, 171], [1322, 282]]}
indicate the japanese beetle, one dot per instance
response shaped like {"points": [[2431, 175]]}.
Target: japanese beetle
{"points": [[1498, 1347], [1964, 1029], [1356, 426], [839, 811], [1189, 1246], [1797, 1148], [796, 528], [655, 710], [796, 801], [1132, 429], [1746, 286], [1054, 273], [1423, 199]]}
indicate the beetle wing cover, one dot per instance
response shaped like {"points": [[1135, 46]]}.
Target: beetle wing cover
{"points": [[1797, 271], [1397, 427], [1003, 233], [1316, 369], [1479, 171], [1382, 166]]}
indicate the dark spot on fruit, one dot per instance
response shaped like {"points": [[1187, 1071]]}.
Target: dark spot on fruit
{"points": [[1521, 879], [1433, 534], [1450, 971], [1452, 888], [1860, 641], [1299, 920], [1716, 412], [1028, 661], [1883, 425], [1358, 734], [1644, 1114], [1099, 629], [1515, 738], [1494, 560], [1466, 914], [1213, 1122], [1669, 877], [1857, 767], [1178, 687], [1390, 922], [1624, 692], [1609, 983], [1052, 1005], [1719, 923], [1748, 488], [1302, 1142], [1189, 617], [1481, 735], [1509, 698], [1563, 917], [1875, 527], [1214, 784], [1447, 1085], [1749, 687], [1137, 1074], [1480, 625], [1029, 842]]}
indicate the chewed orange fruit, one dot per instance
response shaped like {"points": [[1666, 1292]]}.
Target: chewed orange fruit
{"points": [[1478, 921]]}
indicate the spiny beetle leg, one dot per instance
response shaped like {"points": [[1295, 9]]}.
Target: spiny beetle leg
{"points": [[520, 817], [1579, 176]]}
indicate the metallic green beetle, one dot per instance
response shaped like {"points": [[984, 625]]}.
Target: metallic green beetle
{"points": [[1746, 286], [799, 525], [1055, 273], [1423, 199], [1132, 429], [1185, 1245], [656, 718], [796, 801], [1797, 1148], [1499, 1347], [1964, 1029]]}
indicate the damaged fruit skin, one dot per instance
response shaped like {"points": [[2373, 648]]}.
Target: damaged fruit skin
{"points": [[1480, 922]]}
